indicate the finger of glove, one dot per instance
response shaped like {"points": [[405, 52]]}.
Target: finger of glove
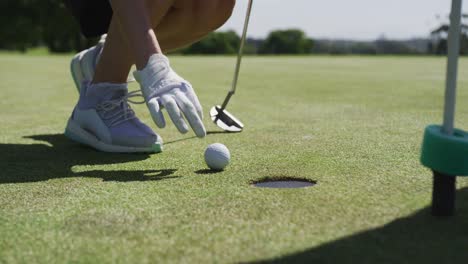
{"points": [[191, 114], [174, 112], [192, 96], [156, 113], [197, 105]]}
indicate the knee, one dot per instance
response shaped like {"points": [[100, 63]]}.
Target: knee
{"points": [[213, 14], [224, 12]]}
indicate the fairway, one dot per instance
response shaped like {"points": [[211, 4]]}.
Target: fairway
{"points": [[352, 124]]}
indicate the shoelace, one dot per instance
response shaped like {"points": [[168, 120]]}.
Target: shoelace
{"points": [[125, 113]]}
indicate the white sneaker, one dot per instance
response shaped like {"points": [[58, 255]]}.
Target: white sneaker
{"points": [[104, 120], [83, 64]]}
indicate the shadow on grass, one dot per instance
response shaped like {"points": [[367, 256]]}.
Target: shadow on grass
{"points": [[193, 137], [207, 172], [418, 238], [55, 157], [219, 132]]}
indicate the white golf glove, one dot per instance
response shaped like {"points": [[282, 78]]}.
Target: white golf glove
{"points": [[163, 88]]}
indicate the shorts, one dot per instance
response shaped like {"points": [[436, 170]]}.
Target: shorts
{"points": [[93, 16]]}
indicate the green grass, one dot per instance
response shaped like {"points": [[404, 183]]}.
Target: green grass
{"points": [[353, 124], [36, 51]]}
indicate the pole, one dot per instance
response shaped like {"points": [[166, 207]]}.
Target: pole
{"points": [[444, 186], [452, 67], [443, 194]]}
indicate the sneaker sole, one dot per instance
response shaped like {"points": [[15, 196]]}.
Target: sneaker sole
{"points": [[76, 133]]}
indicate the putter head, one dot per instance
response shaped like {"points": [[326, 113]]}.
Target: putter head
{"points": [[225, 120]]}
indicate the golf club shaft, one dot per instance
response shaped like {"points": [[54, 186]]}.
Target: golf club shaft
{"points": [[239, 56]]}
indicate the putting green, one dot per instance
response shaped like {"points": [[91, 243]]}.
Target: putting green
{"points": [[353, 124]]}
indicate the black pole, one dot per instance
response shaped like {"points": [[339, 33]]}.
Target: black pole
{"points": [[443, 194], [226, 101]]}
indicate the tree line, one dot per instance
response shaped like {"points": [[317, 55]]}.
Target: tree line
{"points": [[25, 24], [290, 41]]}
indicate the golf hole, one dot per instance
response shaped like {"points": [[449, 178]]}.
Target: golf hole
{"points": [[284, 183]]}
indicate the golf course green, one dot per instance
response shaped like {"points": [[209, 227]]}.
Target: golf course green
{"points": [[352, 124]]}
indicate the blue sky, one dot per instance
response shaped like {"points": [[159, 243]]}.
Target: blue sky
{"points": [[350, 19]]}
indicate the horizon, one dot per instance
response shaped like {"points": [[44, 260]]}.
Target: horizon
{"points": [[416, 18]]}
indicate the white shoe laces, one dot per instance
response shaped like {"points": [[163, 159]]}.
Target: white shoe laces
{"points": [[125, 112]]}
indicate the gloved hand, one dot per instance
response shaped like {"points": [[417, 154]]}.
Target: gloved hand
{"points": [[163, 88]]}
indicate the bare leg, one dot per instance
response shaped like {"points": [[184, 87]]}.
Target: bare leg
{"points": [[116, 60], [130, 19], [135, 23], [190, 20], [178, 23]]}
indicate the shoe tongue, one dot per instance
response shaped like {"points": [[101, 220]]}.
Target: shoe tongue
{"points": [[107, 91]]}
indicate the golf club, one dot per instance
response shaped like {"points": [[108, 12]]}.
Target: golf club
{"points": [[219, 115]]}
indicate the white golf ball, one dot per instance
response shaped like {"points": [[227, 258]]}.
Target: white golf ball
{"points": [[217, 156]]}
